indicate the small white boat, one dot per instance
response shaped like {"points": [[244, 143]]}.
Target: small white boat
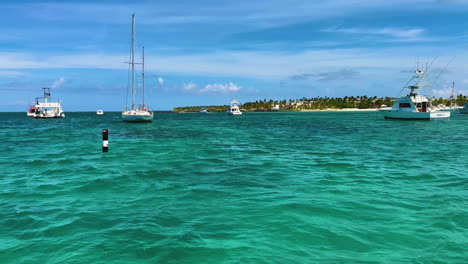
{"points": [[203, 110], [137, 113], [415, 106], [464, 110], [234, 108], [47, 109], [99, 112], [32, 108]]}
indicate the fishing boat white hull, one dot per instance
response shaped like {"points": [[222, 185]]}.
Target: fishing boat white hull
{"points": [[48, 116], [136, 116], [234, 113], [99, 112], [408, 115]]}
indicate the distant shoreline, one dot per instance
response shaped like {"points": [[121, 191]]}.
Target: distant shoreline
{"points": [[342, 110], [296, 111]]}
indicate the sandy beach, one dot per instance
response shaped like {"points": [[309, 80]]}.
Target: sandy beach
{"points": [[341, 110]]}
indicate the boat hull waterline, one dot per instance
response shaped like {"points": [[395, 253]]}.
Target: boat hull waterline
{"points": [[395, 114], [137, 117]]}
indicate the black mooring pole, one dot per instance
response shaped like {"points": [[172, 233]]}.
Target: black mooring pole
{"points": [[105, 140]]}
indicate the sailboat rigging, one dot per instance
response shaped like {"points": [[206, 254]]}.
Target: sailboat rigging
{"points": [[140, 113]]}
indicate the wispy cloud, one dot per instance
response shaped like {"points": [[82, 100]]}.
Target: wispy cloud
{"points": [[17, 103], [160, 80], [344, 74], [242, 64], [398, 33], [58, 83], [214, 88], [221, 88], [190, 86], [12, 74], [446, 92]]}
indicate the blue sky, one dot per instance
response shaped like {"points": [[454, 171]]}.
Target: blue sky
{"points": [[208, 52]]}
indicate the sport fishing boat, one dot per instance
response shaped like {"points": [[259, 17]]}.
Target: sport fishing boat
{"points": [[99, 112], [464, 110], [203, 110], [48, 109], [137, 113], [234, 108], [415, 106]]}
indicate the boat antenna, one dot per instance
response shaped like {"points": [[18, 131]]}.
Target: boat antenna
{"points": [[437, 78]]}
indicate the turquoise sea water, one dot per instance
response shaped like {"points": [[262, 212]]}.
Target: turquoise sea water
{"points": [[258, 188]]}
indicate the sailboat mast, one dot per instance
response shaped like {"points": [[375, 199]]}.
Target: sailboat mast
{"points": [[452, 94], [133, 62], [143, 75]]}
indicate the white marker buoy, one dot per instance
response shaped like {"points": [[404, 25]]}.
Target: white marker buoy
{"points": [[105, 140]]}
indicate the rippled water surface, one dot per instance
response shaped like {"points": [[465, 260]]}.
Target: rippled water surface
{"points": [[257, 188]]}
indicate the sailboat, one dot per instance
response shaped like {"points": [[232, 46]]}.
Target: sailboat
{"points": [[137, 113]]}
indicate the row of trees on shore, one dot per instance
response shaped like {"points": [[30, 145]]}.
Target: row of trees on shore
{"points": [[317, 103]]}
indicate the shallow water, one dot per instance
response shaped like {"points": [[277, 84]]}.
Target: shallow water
{"points": [[211, 188]]}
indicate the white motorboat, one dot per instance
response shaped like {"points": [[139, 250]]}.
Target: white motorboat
{"points": [[234, 108], [48, 109], [415, 106], [464, 110], [203, 110], [99, 112], [32, 109], [137, 113]]}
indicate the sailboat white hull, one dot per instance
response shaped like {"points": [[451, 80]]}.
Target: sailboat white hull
{"points": [[137, 116], [408, 115]]}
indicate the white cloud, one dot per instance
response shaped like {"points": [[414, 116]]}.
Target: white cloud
{"points": [[220, 88], [160, 80], [249, 64], [445, 93], [58, 83], [12, 74], [393, 32], [190, 86], [17, 103]]}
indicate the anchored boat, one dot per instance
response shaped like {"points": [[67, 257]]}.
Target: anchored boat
{"points": [[137, 113], [32, 109], [415, 106], [234, 108], [46, 109], [464, 110]]}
